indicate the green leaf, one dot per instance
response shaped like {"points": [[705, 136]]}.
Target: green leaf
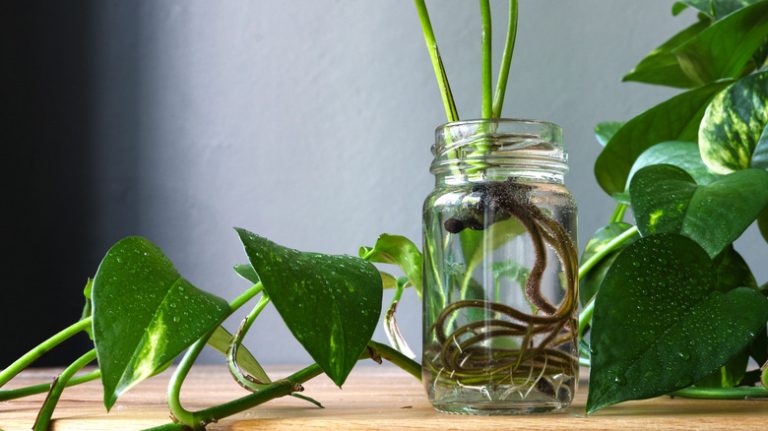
{"points": [[678, 8], [397, 250], [684, 155], [662, 67], [734, 124], [221, 339], [605, 131], [724, 8], [660, 323], [729, 375], [762, 223], [733, 271], [725, 49], [590, 284], [677, 119], [760, 155], [88, 306], [246, 272], [145, 314], [665, 199], [704, 6], [331, 304]]}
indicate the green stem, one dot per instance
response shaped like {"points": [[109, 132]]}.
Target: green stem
{"points": [[487, 37], [43, 421], [506, 60], [618, 213], [234, 369], [392, 355], [246, 296], [437, 63], [722, 393], [20, 364], [609, 248], [13, 394], [585, 317]]}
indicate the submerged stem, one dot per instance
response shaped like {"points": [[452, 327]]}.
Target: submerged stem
{"points": [[487, 37], [506, 60]]}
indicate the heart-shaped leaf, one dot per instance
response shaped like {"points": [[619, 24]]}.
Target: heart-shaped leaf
{"points": [[733, 124], [590, 283], [684, 155], [725, 48], [733, 271], [661, 324], [665, 199], [605, 131], [662, 67], [677, 119], [331, 304], [145, 314], [397, 250]]}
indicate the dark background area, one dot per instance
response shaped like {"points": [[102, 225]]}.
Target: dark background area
{"points": [[46, 164]]}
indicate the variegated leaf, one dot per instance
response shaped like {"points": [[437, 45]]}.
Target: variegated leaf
{"points": [[734, 123]]}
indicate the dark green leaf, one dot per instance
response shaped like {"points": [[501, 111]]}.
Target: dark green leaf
{"points": [[145, 314], [733, 271], [734, 123], [605, 131], [665, 199], [246, 271], [684, 155], [760, 155], [661, 324], [678, 8], [725, 49], [221, 339], [762, 223], [331, 304], [662, 66], [729, 375], [677, 119], [590, 283], [397, 250]]}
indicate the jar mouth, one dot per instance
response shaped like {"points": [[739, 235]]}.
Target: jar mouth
{"points": [[521, 145]]}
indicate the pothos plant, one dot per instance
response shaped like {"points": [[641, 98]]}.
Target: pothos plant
{"points": [[672, 306], [669, 302], [141, 314]]}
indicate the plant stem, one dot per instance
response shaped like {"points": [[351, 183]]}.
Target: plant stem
{"points": [[618, 213], [487, 37], [13, 394], [437, 63], [246, 296], [585, 317], [506, 60], [20, 364], [392, 355], [722, 393], [609, 248], [43, 420]]}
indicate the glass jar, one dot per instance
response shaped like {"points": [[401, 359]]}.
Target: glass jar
{"points": [[500, 270]]}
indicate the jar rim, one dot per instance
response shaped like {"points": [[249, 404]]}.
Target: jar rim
{"points": [[526, 121], [520, 147]]}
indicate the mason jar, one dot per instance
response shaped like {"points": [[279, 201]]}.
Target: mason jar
{"points": [[500, 270]]}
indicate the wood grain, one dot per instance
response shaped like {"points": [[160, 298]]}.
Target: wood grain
{"points": [[374, 398]]}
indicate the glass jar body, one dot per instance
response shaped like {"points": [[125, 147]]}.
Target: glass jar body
{"points": [[500, 286]]}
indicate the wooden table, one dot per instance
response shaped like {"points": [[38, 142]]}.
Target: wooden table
{"points": [[374, 398]]}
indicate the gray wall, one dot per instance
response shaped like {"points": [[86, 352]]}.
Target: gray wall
{"points": [[310, 122]]}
